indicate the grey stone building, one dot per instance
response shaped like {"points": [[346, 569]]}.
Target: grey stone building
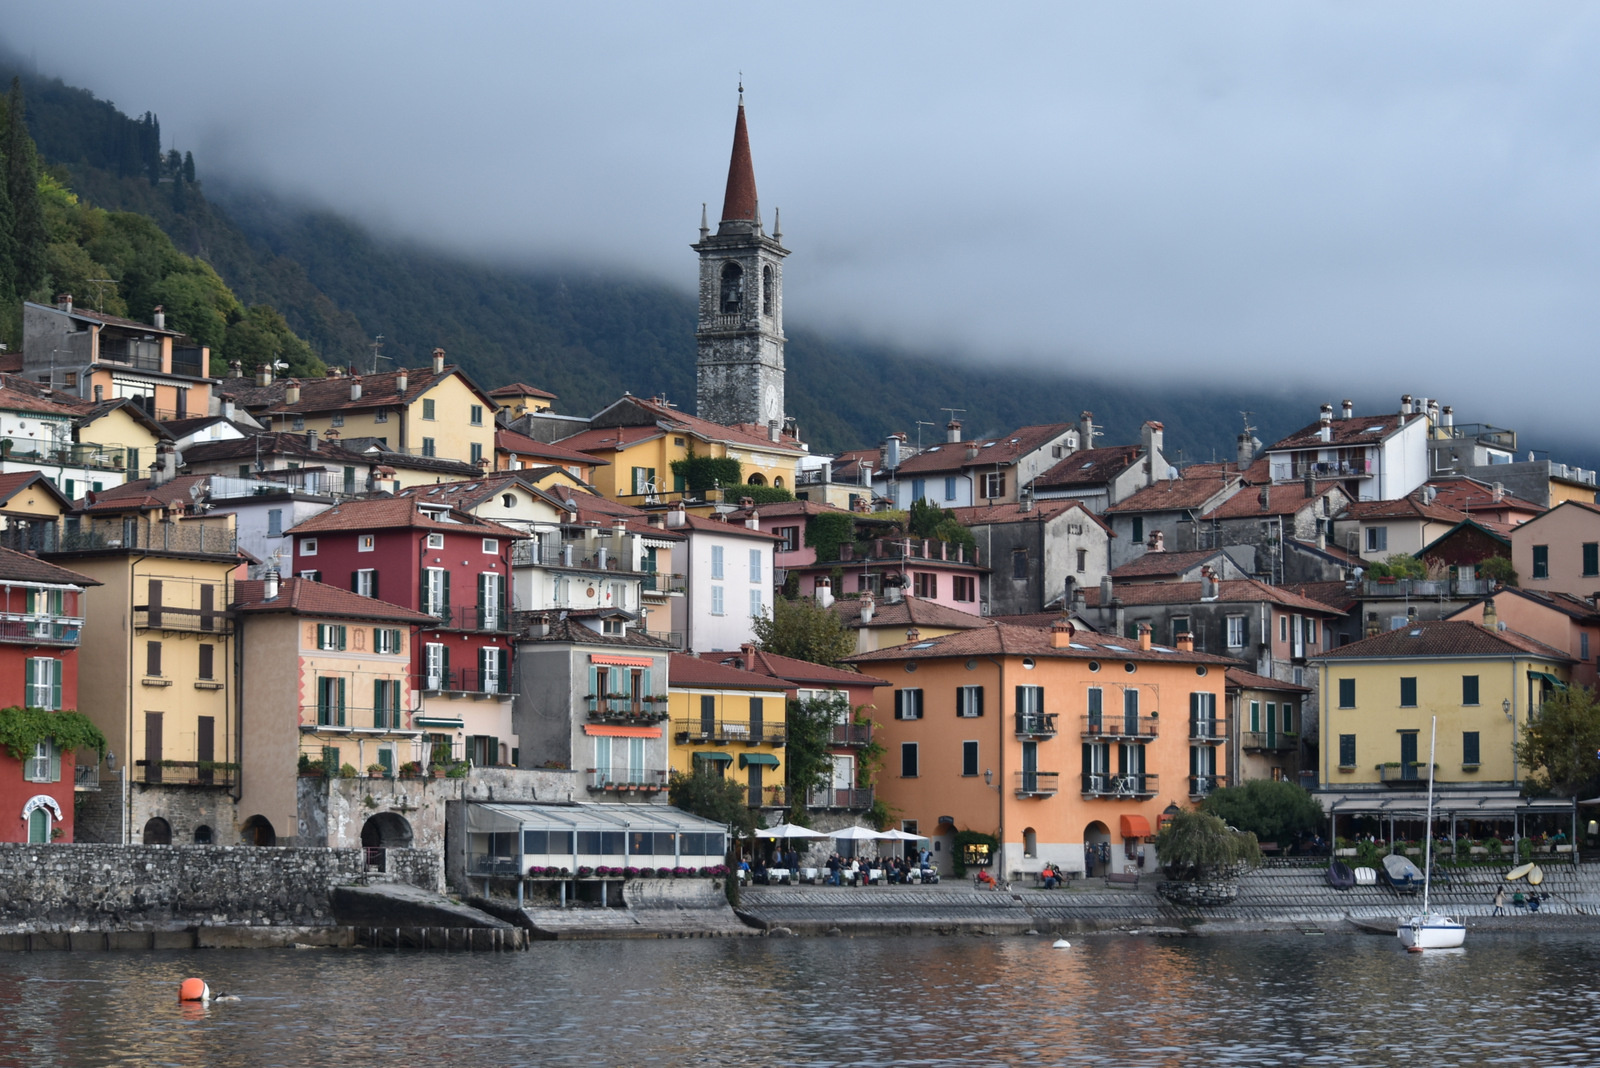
{"points": [[1034, 548], [1170, 509], [739, 370]]}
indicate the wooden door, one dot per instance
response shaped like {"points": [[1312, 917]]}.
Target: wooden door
{"points": [[152, 747]]}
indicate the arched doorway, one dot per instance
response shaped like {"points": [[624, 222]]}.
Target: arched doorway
{"points": [[157, 831], [257, 831], [41, 814], [202, 835], [1096, 849], [383, 832]]}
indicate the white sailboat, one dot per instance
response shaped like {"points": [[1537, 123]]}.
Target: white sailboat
{"points": [[1429, 929]]}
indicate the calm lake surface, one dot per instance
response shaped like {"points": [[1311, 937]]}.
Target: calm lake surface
{"points": [[1507, 999]]}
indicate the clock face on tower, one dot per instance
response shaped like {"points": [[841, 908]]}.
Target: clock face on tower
{"points": [[769, 402]]}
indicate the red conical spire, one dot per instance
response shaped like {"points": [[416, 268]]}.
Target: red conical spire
{"points": [[739, 201]]}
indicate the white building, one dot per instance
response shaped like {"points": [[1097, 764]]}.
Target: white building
{"points": [[727, 576]]}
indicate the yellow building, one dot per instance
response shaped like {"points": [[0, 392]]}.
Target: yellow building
{"points": [[1379, 698], [520, 399], [156, 670], [30, 509], [730, 722], [641, 438]]}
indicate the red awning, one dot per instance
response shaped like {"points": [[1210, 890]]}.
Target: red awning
{"points": [[621, 661], [603, 731], [1135, 827]]}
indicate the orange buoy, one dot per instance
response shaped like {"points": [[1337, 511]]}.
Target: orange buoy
{"points": [[194, 990]]}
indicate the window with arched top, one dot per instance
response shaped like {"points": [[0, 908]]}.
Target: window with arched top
{"points": [[757, 479], [777, 480], [766, 291], [732, 288]]}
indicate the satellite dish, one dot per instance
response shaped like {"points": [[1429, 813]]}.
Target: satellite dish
{"points": [[572, 504]]}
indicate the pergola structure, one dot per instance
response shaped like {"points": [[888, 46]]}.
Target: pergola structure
{"points": [[1458, 806]]}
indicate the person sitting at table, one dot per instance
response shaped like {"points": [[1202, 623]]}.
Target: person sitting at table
{"points": [[853, 872]]}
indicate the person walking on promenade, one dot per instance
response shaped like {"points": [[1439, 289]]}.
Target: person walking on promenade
{"points": [[1499, 901]]}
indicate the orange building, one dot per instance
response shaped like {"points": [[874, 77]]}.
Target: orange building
{"points": [[1053, 741]]}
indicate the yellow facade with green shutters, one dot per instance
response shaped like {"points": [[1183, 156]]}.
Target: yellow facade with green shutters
{"points": [[735, 732]]}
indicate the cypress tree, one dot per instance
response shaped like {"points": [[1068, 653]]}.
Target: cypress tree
{"points": [[188, 166], [30, 239]]}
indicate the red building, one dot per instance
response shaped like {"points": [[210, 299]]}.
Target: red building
{"points": [[447, 564], [41, 618]]}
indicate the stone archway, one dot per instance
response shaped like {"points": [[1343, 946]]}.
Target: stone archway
{"points": [[381, 833], [157, 831], [1097, 848], [257, 831]]}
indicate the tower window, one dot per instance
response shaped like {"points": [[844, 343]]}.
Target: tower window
{"points": [[732, 288], [766, 292]]}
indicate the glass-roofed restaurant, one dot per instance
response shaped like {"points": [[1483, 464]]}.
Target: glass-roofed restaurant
{"points": [[560, 842]]}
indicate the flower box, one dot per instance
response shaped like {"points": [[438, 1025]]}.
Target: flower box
{"points": [[1344, 852], [1480, 851]]}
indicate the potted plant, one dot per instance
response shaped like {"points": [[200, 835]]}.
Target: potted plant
{"points": [[409, 769], [458, 770], [347, 771], [375, 771]]}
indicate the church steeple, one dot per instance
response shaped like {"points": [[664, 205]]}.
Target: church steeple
{"points": [[740, 370]]}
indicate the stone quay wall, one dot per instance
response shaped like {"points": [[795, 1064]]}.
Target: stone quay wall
{"points": [[88, 886]]}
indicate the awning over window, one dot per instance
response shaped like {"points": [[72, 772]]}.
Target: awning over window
{"points": [[622, 661], [720, 758], [746, 759], [439, 721], [1135, 827], [1551, 679], [602, 730]]}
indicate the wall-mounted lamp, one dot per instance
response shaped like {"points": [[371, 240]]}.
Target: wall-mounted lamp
{"points": [[988, 776], [1505, 706], [111, 760]]}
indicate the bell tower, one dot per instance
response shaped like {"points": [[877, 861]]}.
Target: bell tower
{"points": [[739, 370]]}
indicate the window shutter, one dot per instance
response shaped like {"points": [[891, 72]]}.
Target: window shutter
{"points": [[322, 701], [31, 670], [1088, 758], [445, 576], [55, 685], [344, 633], [1194, 760], [1194, 717], [483, 596], [504, 657], [355, 582], [322, 635], [373, 583], [379, 696], [341, 702], [645, 683], [444, 664], [494, 751], [55, 761]]}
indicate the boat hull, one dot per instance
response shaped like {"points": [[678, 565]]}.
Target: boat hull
{"points": [[1433, 931]]}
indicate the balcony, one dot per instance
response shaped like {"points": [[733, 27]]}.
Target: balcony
{"points": [[660, 582], [1269, 741], [141, 355], [84, 455], [86, 776], [724, 731], [194, 620], [470, 682], [673, 638], [852, 734], [626, 781], [210, 537], [1403, 588], [622, 708], [1036, 724], [1120, 728], [1038, 783], [478, 619], [1131, 785], [1411, 776], [1210, 731], [354, 719], [188, 773], [21, 629], [1201, 786], [851, 799], [189, 361], [1298, 469], [771, 797]]}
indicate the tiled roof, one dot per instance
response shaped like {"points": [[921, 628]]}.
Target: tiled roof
{"points": [[1003, 639], [1007, 449], [1174, 494], [1089, 467], [467, 493], [1445, 637], [1255, 473], [791, 670], [1500, 532], [911, 611], [610, 437], [1336, 594], [333, 394], [92, 316], [21, 567], [1164, 563], [1568, 605], [520, 389], [1229, 591], [713, 526], [570, 630], [1357, 430], [1404, 508], [739, 201], [781, 509], [522, 445], [15, 482], [380, 513], [984, 514], [307, 598], [1470, 495], [13, 400], [273, 444], [1239, 678], [652, 417], [140, 495], [1286, 498], [708, 674]]}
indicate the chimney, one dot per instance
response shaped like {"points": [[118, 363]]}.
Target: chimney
{"points": [[1245, 450], [1144, 637], [774, 430], [263, 374], [165, 469], [159, 319], [1348, 407], [542, 626], [1158, 542], [235, 369], [438, 361], [1499, 489], [355, 387], [1326, 415], [331, 436], [824, 592], [747, 653], [99, 394], [291, 391], [753, 521], [1106, 592], [676, 517], [336, 372], [229, 409], [269, 585], [952, 431], [1086, 429], [972, 450], [1152, 432], [1311, 485], [402, 381], [912, 634], [1448, 415], [891, 452], [311, 441], [1491, 618], [1208, 584], [868, 607], [1025, 499], [64, 303], [1433, 411], [1061, 632], [1405, 404], [1186, 642]]}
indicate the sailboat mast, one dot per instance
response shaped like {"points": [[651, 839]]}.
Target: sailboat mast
{"points": [[1427, 854]]}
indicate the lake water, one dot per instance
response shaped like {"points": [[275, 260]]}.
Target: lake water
{"points": [[1340, 1000]]}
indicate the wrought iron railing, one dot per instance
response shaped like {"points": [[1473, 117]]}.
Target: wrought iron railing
{"points": [[1141, 728], [1036, 724], [624, 709], [86, 776], [1038, 783], [1275, 741], [1112, 784], [625, 779], [851, 734], [483, 619], [23, 629], [166, 617], [1206, 785], [469, 680], [1212, 730], [695, 729], [853, 799]]}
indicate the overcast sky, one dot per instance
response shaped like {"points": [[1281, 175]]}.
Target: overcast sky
{"points": [[1331, 193]]}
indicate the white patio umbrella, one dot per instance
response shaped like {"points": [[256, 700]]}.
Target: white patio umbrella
{"points": [[897, 835], [787, 830], [858, 834]]}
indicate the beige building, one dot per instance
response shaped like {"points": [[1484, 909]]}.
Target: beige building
{"points": [[1560, 550]]}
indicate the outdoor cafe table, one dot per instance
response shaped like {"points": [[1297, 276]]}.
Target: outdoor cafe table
{"points": [[778, 875]]}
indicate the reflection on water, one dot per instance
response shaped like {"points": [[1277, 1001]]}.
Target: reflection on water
{"points": [[912, 1001]]}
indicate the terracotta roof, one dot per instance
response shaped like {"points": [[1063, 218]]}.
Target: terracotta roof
{"points": [[709, 674], [379, 513], [1336, 594], [1031, 619], [1357, 430], [1568, 605], [15, 482], [379, 390], [307, 598], [611, 437], [570, 630], [90, 315], [1285, 498], [791, 670], [1255, 473], [1229, 591], [522, 445], [712, 526], [273, 444], [910, 611], [467, 493], [1239, 678], [739, 198], [1088, 467], [1470, 495], [1004, 639], [1500, 532], [1444, 637], [14, 400], [780, 509], [140, 495], [520, 389], [1164, 563], [1404, 508], [1006, 449], [984, 514], [22, 567], [1180, 494]]}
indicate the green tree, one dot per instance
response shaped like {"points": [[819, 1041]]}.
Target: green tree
{"points": [[759, 494], [1398, 566], [930, 521], [806, 631], [713, 797], [1273, 811], [808, 739], [22, 189], [1194, 846], [828, 531], [260, 336], [1499, 569], [1560, 745]]}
